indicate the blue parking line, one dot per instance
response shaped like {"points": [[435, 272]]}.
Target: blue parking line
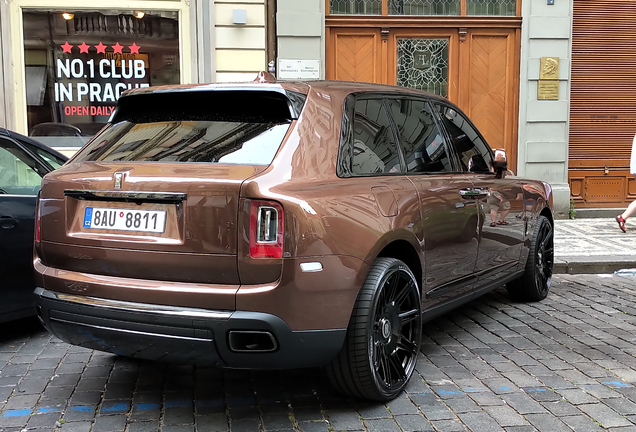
{"points": [[449, 392], [178, 404], [146, 406], [118, 407], [46, 410], [17, 413], [617, 384], [82, 408]]}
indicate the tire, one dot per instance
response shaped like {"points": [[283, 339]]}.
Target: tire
{"points": [[380, 350], [534, 283]]}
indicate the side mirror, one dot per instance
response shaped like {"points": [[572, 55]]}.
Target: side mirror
{"points": [[500, 163]]}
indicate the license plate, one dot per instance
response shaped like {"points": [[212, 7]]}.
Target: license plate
{"points": [[125, 219]]}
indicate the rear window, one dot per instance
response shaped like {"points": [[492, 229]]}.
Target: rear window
{"points": [[233, 127]]}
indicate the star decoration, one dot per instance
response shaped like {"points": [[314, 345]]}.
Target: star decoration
{"points": [[117, 48], [66, 47], [84, 48], [134, 48], [101, 48]]}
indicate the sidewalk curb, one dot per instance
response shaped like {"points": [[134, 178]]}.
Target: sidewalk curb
{"points": [[593, 265]]}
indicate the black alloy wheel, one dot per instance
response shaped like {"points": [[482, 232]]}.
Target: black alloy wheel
{"points": [[384, 334], [534, 284], [544, 260]]}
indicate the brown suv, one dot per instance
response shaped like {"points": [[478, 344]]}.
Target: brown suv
{"points": [[281, 225]]}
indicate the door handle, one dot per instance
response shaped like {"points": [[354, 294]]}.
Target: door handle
{"points": [[473, 192], [8, 222]]}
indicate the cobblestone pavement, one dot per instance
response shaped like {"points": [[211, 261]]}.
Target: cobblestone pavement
{"points": [[568, 362]]}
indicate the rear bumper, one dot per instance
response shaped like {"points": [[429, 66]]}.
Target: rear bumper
{"points": [[182, 334]]}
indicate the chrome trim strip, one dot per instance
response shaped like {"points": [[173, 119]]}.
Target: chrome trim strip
{"points": [[135, 332], [125, 306], [127, 196]]}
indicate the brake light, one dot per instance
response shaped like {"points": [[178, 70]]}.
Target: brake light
{"points": [[38, 230], [266, 229]]}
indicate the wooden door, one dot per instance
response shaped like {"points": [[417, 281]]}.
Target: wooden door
{"points": [[355, 55], [490, 87]]}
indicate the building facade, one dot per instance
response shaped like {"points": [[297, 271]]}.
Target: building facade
{"points": [[549, 81], [484, 55]]}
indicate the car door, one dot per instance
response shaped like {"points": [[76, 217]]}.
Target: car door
{"points": [[20, 177], [502, 224], [448, 229]]}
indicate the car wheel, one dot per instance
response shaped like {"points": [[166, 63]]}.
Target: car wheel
{"points": [[380, 350], [534, 284]]}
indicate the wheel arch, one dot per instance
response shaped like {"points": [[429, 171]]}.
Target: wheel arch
{"points": [[404, 251], [547, 212]]}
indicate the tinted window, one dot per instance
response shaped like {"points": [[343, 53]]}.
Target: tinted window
{"points": [[374, 148], [19, 173], [422, 143], [473, 152], [49, 158], [220, 126], [187, 141]]}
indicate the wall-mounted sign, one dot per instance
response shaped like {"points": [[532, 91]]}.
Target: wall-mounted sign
{"points": [[298, 69], [548, 86], [548, 90], [549, 68]]}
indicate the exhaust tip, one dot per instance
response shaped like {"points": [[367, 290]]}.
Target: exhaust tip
{"points": [[252, 341]]}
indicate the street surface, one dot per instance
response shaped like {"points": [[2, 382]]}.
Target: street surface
{"points": [[568, 362]]}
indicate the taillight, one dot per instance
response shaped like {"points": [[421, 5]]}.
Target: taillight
{"points": [[266, 229], [38, 218]]}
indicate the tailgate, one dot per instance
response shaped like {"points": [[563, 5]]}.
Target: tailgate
{"points": [[163, 224]]}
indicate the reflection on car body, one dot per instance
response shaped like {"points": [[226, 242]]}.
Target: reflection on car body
{"points": [[358, 216]]}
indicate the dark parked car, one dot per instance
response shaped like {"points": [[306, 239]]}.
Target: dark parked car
{"points": [[281, 225], [23, 163]]}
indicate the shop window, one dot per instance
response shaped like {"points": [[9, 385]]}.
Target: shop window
{"points": [[492, 7], [78, 64], [355, 7], [424, 7]]}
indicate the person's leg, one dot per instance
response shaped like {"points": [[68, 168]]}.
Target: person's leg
{"points": [[629, 211], [493, 215], [503, 215]]}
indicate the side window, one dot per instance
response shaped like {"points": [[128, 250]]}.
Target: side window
{"points": [[19, 173], [473, 152], [49, 158], [374, 147], [422, 142]]}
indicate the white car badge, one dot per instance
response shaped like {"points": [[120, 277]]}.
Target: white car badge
{"points": [[119, 178]]}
